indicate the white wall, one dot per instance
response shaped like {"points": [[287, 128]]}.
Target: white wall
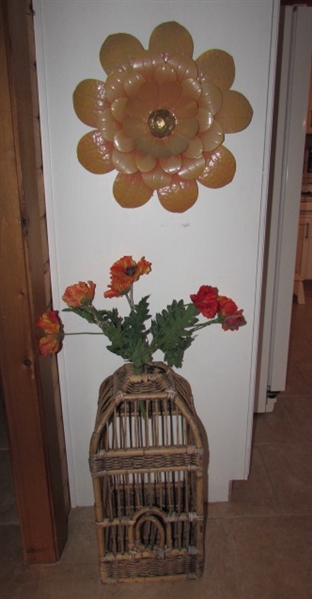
{"points": [[218, 241]]}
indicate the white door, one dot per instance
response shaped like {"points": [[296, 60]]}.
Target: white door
{"points": [[292, 89]]}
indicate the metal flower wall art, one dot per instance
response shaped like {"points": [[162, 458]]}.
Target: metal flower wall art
{"points": [[160, 118]]}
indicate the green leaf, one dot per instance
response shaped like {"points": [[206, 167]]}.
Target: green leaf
{"points": [[110, 316], [170, 331], [137, 317], [128, 336]]}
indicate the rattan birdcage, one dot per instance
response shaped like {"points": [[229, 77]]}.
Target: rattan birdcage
{"points": [[147, 465]]}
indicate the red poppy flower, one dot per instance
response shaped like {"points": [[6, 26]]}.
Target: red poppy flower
{"points": [[206, 300], [51, 324], [79, 295]]}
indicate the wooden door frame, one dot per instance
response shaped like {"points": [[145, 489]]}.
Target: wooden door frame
{"points": [[29, 382]]}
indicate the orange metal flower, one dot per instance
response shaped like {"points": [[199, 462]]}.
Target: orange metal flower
{"points": [[52, 326], [160, 118], [124, 273], [79, 295]]}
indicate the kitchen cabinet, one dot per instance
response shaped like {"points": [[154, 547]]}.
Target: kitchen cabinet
{"points": [[298, 288], [305, 233]]}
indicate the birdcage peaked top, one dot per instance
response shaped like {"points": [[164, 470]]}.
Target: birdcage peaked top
{"points": [[147, 465]]}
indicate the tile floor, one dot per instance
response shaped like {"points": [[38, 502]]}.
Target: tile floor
{"points": [[258, 544]]}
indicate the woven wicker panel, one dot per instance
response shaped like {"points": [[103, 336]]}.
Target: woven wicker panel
{"points": [[146, 461]]}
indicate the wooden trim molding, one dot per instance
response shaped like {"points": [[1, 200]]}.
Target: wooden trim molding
{"points": [[29, 382]]}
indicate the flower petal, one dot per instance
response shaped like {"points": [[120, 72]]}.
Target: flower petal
{"points": [[50, 322], [146, 63], [149, 95], [195, 148], [135, 128], [136, 109], [107, 125], [176, 145], [132, 84], [118, 108], [186, 128], [217, 66], [235, 113], [169, 39], [184, 66], [144, 143], [114, 85], [118, 51], [164, 73], [117, 289], [49, 345], [211, 97], [185, 109], [145, 163], [143, 268], [124, 162], [220, 168], [89, 101], [130, 191], [226, 306], [122, 142], [192, 88], [169, 94], [179, 196], [204, 119], [156, 178], [171, 165], [160, 148], [213, 137], [192, 168], [95, 153]]}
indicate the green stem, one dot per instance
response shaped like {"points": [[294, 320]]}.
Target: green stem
{"points": [[203, 325], [82, 333], [130, 299], [98, 321]]}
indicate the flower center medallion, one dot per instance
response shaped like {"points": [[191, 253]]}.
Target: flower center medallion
{"points": [[161, 122]]}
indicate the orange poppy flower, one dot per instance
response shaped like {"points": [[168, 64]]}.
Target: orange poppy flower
{"points": [[51, 324], [124, 273], [79, 295], [160, 118]]}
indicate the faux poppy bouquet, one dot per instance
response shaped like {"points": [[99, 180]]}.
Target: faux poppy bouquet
{"points": [[137, 336]]}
